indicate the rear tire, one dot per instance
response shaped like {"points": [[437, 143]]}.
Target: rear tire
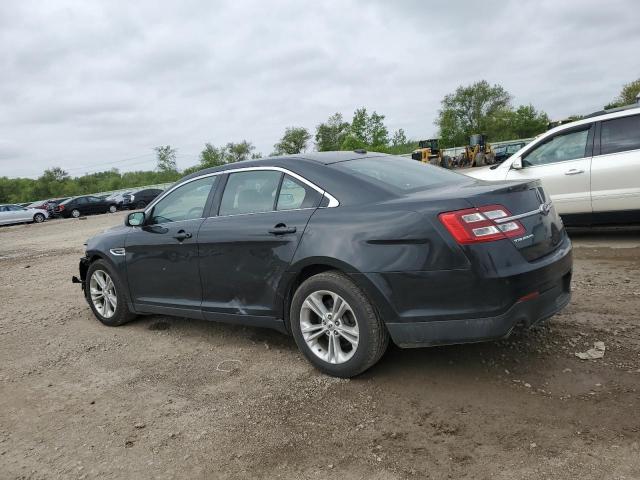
{"points": [[140, 205], [38, 218], [113, 209], [358, 322], [101, 285], [75, 213]]}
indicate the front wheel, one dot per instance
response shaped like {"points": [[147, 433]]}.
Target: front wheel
{"points": [[106, 295], [335, 325], [38, 218]]}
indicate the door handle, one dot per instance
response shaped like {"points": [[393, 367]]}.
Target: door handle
{"points": [[282, 229], [573, 171], [182, 235]]}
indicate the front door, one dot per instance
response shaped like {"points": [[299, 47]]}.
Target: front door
{"points": [[563, 163], [162, 255], [245, 250]]}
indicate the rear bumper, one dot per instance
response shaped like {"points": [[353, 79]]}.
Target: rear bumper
{"points": [[470, 305], [446, 332]]}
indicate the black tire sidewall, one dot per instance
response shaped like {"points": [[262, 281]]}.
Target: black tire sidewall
{"points": [[122, 314], [365, 314]]}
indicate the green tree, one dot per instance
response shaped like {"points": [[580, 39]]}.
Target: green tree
{"points": [[237, 152], [211, 156], [166, 158], [331, 134], [377, 133], [293, 141], [470, 109], [398, 138], [528, 122], [627, 96], [366, 131]]}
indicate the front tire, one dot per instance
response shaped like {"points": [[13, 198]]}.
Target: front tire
{"points": [[106, 295], [38, 218], [335, 325]]}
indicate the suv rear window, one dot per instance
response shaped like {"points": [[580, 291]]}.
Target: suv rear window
{"points": [[400, 173], [620, 135]]}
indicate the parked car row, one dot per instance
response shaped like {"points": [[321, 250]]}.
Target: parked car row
{"points": [[75, 207]]}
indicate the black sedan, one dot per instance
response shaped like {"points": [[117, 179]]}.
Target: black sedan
{"points": [[85, 205], [139, 199], [343, 250]]}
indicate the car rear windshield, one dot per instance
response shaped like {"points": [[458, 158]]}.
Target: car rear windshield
{"points": [[401, 174]]}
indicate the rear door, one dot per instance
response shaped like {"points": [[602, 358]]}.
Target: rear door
{"points": [[615, 170], [246, 249], [563, 164]]}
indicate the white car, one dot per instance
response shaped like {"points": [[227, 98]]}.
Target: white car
{"points": [[10, 213], [590, 168]]}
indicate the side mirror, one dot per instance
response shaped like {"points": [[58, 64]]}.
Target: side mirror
{"points": [[517, 164], [134, 219]]}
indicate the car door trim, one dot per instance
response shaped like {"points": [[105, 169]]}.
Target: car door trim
{"points": [[333, 201]]}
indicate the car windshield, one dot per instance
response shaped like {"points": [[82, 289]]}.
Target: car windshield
{"points": [[401, 174]]}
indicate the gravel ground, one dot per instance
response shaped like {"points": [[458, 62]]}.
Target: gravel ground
{"points": [[174, 398]]}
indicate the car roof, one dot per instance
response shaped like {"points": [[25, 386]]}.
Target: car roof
{"points": [[598, 117], [321, 158]]}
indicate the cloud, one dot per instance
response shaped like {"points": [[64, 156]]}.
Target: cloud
{"points": [[86, 85]]}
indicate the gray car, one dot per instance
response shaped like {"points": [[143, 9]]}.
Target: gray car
{"points": [[10, 213]]}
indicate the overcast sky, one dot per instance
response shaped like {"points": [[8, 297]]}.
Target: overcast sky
{"points": [[88, 86]]}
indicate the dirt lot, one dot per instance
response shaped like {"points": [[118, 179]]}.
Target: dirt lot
{"points": [[175, 398]]}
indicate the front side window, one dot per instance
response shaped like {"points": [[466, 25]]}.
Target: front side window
{"points": [[184, 203], [295, 194], [568, 146], [620, 135], [250, 192]]}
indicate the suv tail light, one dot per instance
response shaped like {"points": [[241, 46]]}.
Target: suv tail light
{"points": [[476, 225]]}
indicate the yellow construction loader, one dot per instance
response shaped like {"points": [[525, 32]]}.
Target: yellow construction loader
{"points": [[478, 153], [428, 151]]}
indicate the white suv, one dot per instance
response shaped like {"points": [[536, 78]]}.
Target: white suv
{"points": [[591, 167]]}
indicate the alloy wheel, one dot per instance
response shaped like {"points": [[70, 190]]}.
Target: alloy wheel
{"points": [[329, 327], [103, 293], [75, 213]]}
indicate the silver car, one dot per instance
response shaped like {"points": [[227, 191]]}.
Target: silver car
{"points": [[10, 213]]}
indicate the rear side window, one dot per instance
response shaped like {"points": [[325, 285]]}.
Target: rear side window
{"points": [[400, 174], [250, 192], [563, 147], [620, 135], [295, 194]]}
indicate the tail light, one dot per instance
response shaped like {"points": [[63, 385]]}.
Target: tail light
{"points": [[476, 225], [59, 208]]}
